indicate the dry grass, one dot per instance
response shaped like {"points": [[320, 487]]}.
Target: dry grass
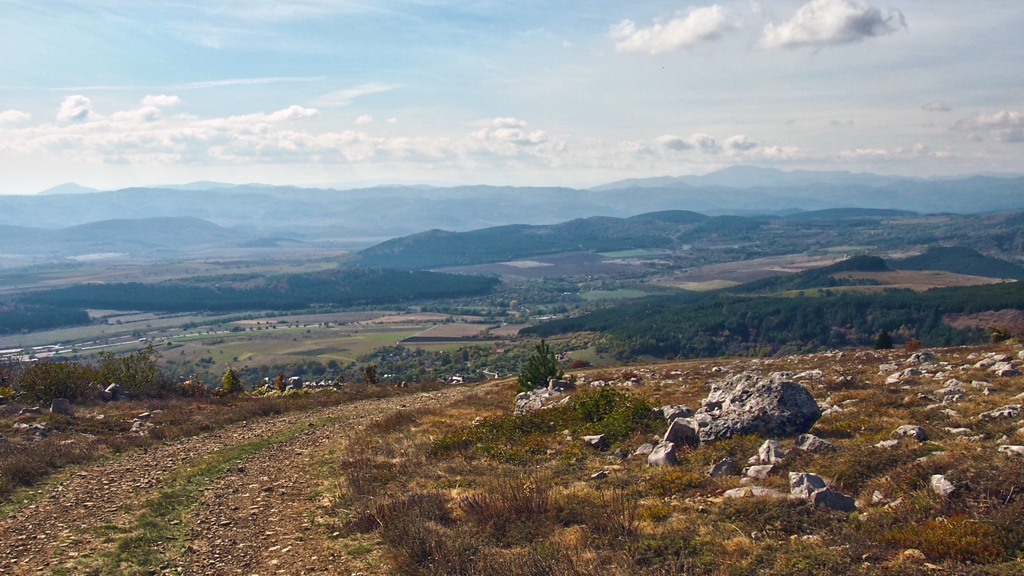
{"points": [[445, 496], [26, 459]]}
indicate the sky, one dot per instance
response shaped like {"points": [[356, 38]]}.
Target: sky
{"points": [[118, 93]]}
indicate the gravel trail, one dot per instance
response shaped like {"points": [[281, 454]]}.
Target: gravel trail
{"points": [[253, 519]]}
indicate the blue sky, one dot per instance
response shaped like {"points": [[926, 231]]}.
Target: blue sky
{"points": [[111, 93]]}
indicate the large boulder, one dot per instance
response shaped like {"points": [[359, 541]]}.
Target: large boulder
{"points": [[673, 411], [683, 431], [751, 404], [61, 406], [664, 454]]}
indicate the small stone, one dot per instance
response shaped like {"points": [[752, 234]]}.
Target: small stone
{"points": [[959, 431], [644, 449], [878, 498], [942, 486], [724, 468], [758, 472], [803, 484], [597, 442], [913, 555], [33, 410], [599, 475], [811, 443], [1008, 411], [910, 431], [833, 500], [771, 452], [145, 416], [1012, 450], [556, 385], [753, 492], [888, 444]]}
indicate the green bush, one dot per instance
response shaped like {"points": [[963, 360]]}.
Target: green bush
{"points": [[44, 381]]}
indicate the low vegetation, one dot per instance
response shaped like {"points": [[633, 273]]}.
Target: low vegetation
{"points": [[524, 494]]}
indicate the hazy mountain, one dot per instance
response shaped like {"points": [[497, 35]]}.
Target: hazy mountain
{"points": [[365, 216], [137, 237], [201, 185], [68, 188], [755, 177]]}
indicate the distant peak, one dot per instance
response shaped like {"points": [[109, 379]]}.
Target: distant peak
{"points": [[67, 188]]}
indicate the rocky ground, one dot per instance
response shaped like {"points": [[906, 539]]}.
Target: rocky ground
{"points": [[254, 517], [877, 463]]}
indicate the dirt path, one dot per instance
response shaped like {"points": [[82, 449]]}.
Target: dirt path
{"points": [[253, 517]]}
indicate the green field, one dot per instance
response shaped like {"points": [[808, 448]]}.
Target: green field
{"points": [[634, 253], [623, 294]]}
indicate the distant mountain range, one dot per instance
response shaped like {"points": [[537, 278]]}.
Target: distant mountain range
{"points": [[366, 216], [697, 239], [147, 237]]}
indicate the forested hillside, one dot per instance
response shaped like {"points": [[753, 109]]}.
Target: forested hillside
{"points": [[696, 239], [22, 318], [341, 287], [438, 249], [960, 260], [730, 323]]}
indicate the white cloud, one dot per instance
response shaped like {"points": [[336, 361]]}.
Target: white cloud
{"points": [[699, 25], [704, 142], [935, 107], [1005, 126], [392, 120], [141, 115], [673, 142], [899, 153], [14, 117], [75, 109], [160, 100], [825, 22], [701, 142], [507, 135], [364, 119], [346, 96], [740, 143]]}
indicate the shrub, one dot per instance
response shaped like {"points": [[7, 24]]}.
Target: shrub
{"points": [[370, 374], [577, 364], [883, 341], [912, 345], [673, 482], [540, 367], [231, 383], [959, 539], [44, 381], [134, 372]]}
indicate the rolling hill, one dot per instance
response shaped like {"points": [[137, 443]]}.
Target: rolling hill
{"points": [[960, 260]]}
